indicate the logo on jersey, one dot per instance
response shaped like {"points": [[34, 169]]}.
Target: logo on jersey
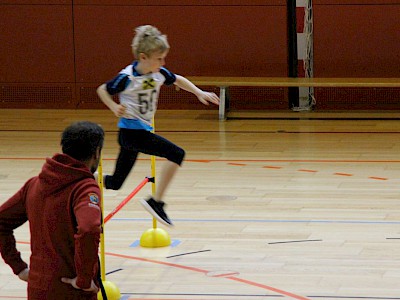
{"points": [[94, 198], [148, 84]]}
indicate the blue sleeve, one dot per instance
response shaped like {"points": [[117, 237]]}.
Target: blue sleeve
{"points": [[118, 84], [170, 77]]}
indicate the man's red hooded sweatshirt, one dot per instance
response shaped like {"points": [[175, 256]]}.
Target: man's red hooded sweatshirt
{"points": [[62, 205]]}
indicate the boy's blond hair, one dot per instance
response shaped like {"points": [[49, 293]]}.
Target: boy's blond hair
{"points": [[148, 39]]}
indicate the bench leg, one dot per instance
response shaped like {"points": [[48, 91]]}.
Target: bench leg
{"points": [[224, 102]]}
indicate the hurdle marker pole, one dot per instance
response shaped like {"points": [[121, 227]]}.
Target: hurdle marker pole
{"points": [[153, 184], [153, 174], [102, 240]]}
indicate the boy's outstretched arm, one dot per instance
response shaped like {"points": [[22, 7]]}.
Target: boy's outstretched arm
{"points": [[204, 97], [105, 97]]}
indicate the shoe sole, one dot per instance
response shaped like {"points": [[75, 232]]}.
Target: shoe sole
{"points": [[153, 213]]}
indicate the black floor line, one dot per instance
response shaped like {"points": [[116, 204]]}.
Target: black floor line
{"points": [[117, 270], [188, 253], [299, 241]]}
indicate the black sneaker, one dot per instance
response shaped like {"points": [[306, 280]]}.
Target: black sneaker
{"points": [[155, 208]]}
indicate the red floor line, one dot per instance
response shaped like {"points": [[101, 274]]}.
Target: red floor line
{"points": [[158, 262], [266, 287], [263, 286], [272, 167], [241, 160], [226, 274], [278, 291], [378, 178], [309, 171], [342, 174], [338, 174], [232, 162]]}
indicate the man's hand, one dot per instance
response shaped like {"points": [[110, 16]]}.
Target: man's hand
{"points": [[72, 281], [24, 274]]}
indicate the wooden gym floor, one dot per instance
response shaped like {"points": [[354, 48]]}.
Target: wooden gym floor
{"points": [[263, 209]]}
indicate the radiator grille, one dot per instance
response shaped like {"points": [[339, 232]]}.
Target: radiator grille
{"points": [[34, 96], [251, 98], [357, 98]]}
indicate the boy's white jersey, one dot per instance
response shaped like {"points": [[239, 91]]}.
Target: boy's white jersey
{"points": [[140, 97]]}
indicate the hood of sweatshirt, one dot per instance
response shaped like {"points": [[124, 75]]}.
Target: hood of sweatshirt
{"points": [[60, 171]]}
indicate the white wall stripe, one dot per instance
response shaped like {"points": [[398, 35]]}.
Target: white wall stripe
{"points": [[300, 3], [301, 46]]}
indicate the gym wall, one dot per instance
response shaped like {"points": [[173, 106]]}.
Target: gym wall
{"points": [[357, 38], [54, 53]]}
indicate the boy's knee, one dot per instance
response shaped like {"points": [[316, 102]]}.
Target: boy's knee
{"points": [[180, 155], [177, 156]]}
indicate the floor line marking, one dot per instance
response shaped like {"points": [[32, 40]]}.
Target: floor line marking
{"points": [[378, 178], [342, 174], [127, 297], [266, 287], [309, 171], [187, 253], [299, 241], [269, 221], [278, 291], [240, 160], [226, 274], [235, 162], [114, 271]]}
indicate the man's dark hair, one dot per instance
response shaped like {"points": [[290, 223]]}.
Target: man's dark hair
{"points": [[80, 140]]}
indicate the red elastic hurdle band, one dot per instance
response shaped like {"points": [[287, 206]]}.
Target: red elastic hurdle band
{"points": [[127, 199]]}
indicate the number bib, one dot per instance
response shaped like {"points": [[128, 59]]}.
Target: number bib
{"points": [[141, 96]]}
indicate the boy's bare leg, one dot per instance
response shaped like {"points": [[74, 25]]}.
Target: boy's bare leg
{"points": [[168, 171]]}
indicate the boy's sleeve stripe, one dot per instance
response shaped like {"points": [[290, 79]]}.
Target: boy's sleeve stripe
{"points": [[170, 77], [118, 84]]}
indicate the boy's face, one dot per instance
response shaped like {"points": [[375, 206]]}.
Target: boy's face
{"points": [[153, 62]]}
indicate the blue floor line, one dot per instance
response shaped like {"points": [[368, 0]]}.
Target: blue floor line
{"points": [[268, 221]]}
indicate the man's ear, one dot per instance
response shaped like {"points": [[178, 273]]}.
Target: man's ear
{"points": [[97, 154]]}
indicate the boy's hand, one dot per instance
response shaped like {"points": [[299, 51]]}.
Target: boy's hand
{"points": [[207, 97], [119, 110]]}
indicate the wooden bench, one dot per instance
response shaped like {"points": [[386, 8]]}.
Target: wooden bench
{"points": [[225, 82]]}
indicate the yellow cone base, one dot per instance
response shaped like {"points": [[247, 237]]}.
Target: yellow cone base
{"points": [[112, 291], [155, 237]]}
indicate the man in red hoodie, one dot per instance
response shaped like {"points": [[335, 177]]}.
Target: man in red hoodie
{"points": [[62, 207]]}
